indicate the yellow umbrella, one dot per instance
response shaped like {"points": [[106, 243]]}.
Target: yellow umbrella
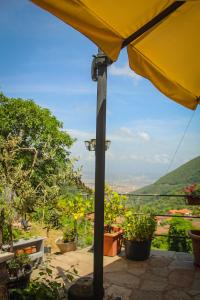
{"points": [[163, 42], [166, 53]]}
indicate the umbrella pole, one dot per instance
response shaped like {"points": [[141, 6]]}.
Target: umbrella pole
{"points": [[84, 288], [100, 64]]}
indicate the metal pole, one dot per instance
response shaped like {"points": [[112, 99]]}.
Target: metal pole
{"points": [[101, 72]]}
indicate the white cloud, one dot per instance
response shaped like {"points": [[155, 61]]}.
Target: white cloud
{"points": [[160, 158], [124, 71], [127, 131], [137, 157], [128, 134], [144, 135], [80, 134]]}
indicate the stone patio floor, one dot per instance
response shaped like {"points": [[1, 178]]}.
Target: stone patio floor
{"points": [[166, 275]]}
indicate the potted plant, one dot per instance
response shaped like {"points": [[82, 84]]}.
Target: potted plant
{"points": [[13, 267], [19, 269], [74, 208], [114, 208], [195, 236], [68, 241], [193, 194], [139, 228]]}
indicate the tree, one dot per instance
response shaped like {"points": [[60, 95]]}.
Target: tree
{"points": [[16, 188], [34, 158], [38, 129]]}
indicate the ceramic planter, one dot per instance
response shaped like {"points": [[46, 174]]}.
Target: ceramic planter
{"points": [[195, 236], [66, 247], [113, 241], [20, 281], [193, 200], [137, 250]]}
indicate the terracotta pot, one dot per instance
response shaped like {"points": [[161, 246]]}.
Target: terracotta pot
{"points": [[195, 236], [113, 241], [66, 247], [28, 250], [34, 249], [193, 200], [19, 251]]}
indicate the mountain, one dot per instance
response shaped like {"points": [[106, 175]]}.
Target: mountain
{"points": [[172, 183]]}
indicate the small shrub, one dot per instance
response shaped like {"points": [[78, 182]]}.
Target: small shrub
{"points": [[160, 242], [69, 235], [139, 226], [178, 237]]}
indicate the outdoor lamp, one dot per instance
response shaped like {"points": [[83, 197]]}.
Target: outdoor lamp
{"points": [[91, 145]]}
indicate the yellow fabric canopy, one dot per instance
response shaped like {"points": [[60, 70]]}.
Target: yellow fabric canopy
{"points": [[166, 53]]}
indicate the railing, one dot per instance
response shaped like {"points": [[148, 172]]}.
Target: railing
{"points": [[163, 215], [167, 215]]}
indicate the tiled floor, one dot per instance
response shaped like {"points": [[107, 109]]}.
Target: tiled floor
{"points": [[164, 276]]}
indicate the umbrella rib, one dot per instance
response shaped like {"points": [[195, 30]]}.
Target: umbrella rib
{"points": [[163, 14]]}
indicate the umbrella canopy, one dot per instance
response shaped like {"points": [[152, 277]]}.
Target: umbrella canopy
{"points": [[162, 38]]}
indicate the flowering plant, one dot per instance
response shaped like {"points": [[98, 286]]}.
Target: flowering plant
{"points": [[139, 225], [192, 190]]}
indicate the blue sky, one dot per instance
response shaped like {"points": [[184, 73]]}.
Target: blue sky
{"points": [[42, 58]]}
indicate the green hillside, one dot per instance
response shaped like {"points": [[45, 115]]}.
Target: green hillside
{"points": [[172, 183]]}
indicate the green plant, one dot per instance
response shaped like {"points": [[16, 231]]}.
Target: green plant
{"points": [[160, 242], [114, 207], [13, 267], [178, 238], [20, 263], [74, 208], [139, 226], [69, 235], [192, 190], [45, 286], [23, 259]]}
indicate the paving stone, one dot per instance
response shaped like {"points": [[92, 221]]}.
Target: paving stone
{"points": [[176, 295], [115, 290], [146, 295], [150, 285], [196, 284], [119, 265], [181, 278], [160, 261], [193, 292], [184, 256], [122, 279], [197, 273], [136, 271], [170, 254], [137, 264], [178, 264], [149, 275], [163, 272]]}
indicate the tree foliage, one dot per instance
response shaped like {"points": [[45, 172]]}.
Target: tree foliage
{"points": [[38, 129], [35, 162]]}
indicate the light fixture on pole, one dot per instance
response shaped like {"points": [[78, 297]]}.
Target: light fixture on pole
{"points": [[91, 144]]}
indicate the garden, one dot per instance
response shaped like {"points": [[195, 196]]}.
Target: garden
{"points": [[46, 208]]}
